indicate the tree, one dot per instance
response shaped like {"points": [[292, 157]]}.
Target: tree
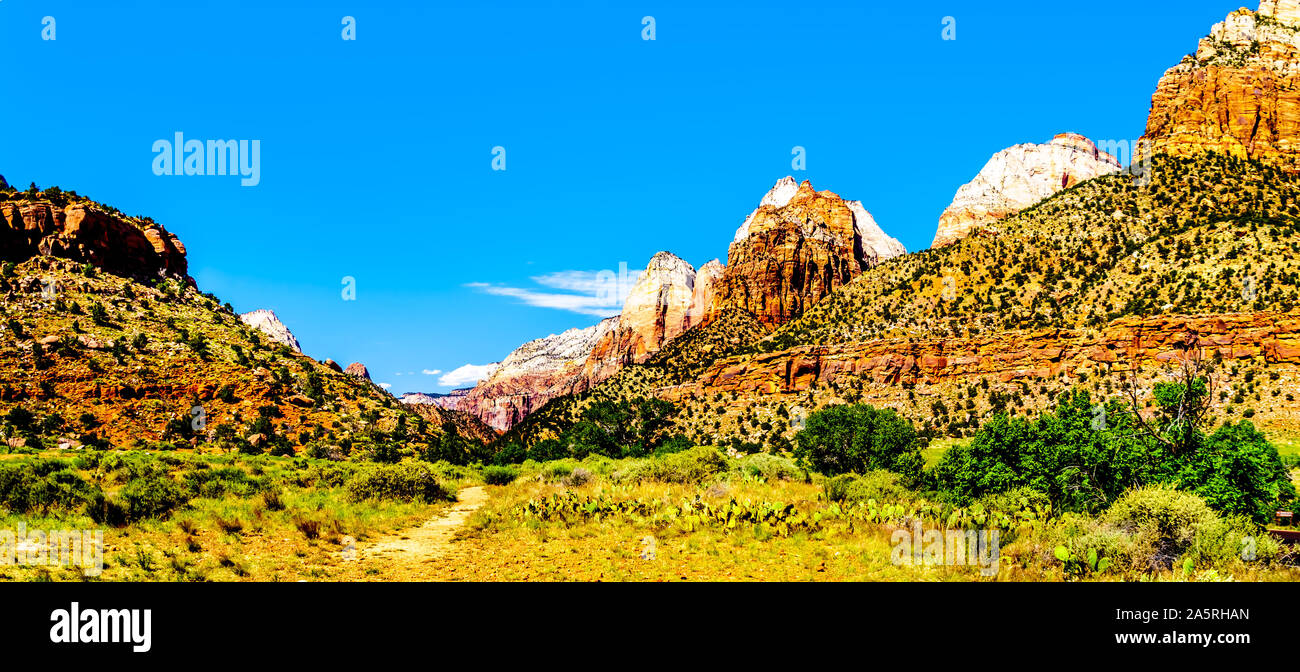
{"points": [[857, 438]]}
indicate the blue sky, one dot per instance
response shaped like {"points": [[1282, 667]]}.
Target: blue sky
{"points": [[376, 154]]}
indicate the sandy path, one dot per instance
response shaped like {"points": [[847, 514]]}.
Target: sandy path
{"points": [[429, 541]]}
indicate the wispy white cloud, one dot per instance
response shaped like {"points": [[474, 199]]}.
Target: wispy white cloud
{"points": [[385, 385], [431, 372], [468, 375], [598, 293]]}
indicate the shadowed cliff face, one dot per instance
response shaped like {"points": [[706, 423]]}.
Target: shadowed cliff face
{"points": [[86, 234], [1239, 94]]}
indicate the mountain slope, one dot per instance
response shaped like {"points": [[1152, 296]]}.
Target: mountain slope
{"points": [[139, 357]]}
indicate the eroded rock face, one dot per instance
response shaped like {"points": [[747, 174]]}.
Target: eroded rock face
{"points": [[1239, 94], [89, 235], [535, 373], [655, 312], [1019, 177], [1010, 356], [706, 280], [797, 247], [358, 370], [269, 324]]}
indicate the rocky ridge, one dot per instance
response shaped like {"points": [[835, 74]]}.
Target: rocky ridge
{"points": [[268, 323], [1239, 94], [797, 247], [1018, 177]]}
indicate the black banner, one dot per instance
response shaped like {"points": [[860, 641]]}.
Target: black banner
{"points": [[939, 624]]}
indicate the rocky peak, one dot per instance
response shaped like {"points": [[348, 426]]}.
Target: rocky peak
{"points": [[535, 373], [874, 245], [268, 323], [1287, 11], [796, 247], [358, 370], [657, 305], [706, 280], [553, 353], [3, 183], [1018, 177], [1239, 94]]}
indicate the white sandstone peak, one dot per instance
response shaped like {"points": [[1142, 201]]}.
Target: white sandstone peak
{"points": [[1018, 177], [266, 322]]}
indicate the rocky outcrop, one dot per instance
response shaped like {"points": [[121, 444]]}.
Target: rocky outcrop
{"points": [[532, 375], [269, 324], [797, 247], [1239, 94], [357, 369], [80, 232], [1274, 337], [656, 311], [3, 183], [706, 280], [1019, 177]]}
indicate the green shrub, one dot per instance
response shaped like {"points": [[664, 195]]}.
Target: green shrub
{"points": [[222, 481], [498, 475], [770, 467], [404, 481], [556, 471], [547, 450], [857, 438], [45, 487], [1163, 522], [697, 465], [156, 496]]}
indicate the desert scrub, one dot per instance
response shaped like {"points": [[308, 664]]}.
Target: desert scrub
{"points": [[879, 486], [46, 486], [695, 466], [405, 482], [768, 467], [494, 475], [154, 496]]}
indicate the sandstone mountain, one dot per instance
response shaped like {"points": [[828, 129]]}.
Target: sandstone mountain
{"points": [[268, 323], [532, 375], [358, 370], [796, 248], [706, 280], [1239, 94], [1019, 177], [108, 343], [655, 311], [68, 226]]}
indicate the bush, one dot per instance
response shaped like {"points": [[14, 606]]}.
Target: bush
{"points": [[222, 481], [556, 471], [511, 454], [404, 481], [1163, 522], [696, 465], [857, 438], [498, 475], [579, 477], [770, 467], [155, 496], [44, 487], [547, 450]]}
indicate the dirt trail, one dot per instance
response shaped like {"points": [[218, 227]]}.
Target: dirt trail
{"points": [[429, 541]]}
